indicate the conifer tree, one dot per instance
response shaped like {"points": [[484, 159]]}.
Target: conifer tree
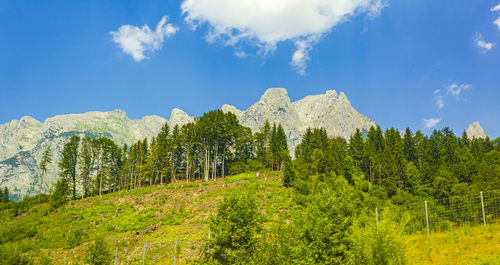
{"points": [[68, 162], [46, 160]]}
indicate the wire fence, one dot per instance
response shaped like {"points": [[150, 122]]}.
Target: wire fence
{"points": [[427, 216], [443, 214]]}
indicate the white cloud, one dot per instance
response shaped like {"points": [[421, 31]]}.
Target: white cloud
{"points": [[496, 8], [432, 122], [483, 45], [137, 41], [436, 91], [440, 103], [497, 21], [240, 54], [457, 89], [265, 23]]}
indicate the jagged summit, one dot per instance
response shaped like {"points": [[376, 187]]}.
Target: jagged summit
{"points": [[275, 96], [476, 131], [230, 108], [179, 117]]}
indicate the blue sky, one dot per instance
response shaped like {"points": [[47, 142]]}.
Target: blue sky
{"points": [[402, 63]]}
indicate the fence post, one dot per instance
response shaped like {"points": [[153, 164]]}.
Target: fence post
{"points": [[64, 259], [482, 207], [144, 253], [175, 250], [376, 217], [116, 255], [426, 218]]}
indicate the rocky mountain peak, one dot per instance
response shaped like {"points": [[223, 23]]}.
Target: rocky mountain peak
{"points": [[476, 131], [275, 97], [119, 113], [179, 117], [230, 108]]}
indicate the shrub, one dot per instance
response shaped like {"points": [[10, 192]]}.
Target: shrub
{"points": [[234, 229], [377, 245], [98, 253], [58, 197]]}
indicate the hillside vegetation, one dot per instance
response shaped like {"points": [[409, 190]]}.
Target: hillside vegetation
{"points": [[158, 216], [169, 200]]}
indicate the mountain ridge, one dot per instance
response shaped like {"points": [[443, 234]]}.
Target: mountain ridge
{"points": [[23, 141]]}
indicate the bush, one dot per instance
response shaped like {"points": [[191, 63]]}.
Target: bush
{"points": [[12, 256], [377, 245], [234, 229], [58, 197], [74, 238], [98, 253]]}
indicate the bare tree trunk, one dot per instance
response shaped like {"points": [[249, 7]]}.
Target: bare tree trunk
{"points": [[223, 156], [100, 183], [214, 167], [173, 170], [206, 164], [187, 166]]}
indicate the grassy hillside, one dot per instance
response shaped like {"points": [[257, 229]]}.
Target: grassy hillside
{"points": [[157, 217], [463, 245]]}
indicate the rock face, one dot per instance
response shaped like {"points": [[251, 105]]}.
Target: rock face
{"points": [[476, 131], [331, 111], [22, 142]]}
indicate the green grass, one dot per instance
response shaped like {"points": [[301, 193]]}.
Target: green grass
{"points": [[158, 216], [462, 245], [155, 216]]}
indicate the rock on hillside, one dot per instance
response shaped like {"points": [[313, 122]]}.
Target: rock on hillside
{"points": [[476, 131]]}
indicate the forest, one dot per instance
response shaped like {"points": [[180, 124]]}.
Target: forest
{"points": [[402, 165], [336, 185]]}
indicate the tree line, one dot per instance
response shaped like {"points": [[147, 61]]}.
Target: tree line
{"points": [[402, 164], [211, 146]]}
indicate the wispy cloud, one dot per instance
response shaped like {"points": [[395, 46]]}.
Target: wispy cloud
{"points": [[263, 23], [497, 21], [440, 103], [457, 89], [432, 122], [137, 41], [240, 54], [483, 45]]}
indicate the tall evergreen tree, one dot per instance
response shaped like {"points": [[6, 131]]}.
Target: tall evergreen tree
{"points": [[46, 160], [68, 162]]}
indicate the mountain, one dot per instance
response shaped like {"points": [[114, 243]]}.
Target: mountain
{"points": [[476, 131], [23, 141], [331, 111]]}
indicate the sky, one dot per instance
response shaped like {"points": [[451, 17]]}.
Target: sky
{"points": [[420, 64]]}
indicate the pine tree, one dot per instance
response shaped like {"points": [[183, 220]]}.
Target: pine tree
{"points": [[356, 146], [58, 197], [86, 165], [4, 195], [288, 173], [46, 160], [69, 161]]}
